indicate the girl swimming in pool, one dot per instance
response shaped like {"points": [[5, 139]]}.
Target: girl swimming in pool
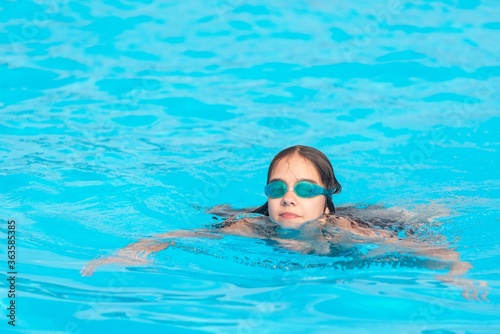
{"points": [[299, 189]]}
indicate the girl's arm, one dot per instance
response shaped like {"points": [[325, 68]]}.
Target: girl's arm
{"points": [[138, 252], [470, 289]]}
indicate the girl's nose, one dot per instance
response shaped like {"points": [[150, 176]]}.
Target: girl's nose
{"points": [[289, 198]]}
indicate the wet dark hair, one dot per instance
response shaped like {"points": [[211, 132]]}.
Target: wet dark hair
{"points": [[320, 162]]}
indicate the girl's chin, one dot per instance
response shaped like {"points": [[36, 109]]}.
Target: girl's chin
{"points": [[293, 223], [285, 223]]}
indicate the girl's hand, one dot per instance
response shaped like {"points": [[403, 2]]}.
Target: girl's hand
{"points": [[471, 289], [135, 254], [91, 266]]}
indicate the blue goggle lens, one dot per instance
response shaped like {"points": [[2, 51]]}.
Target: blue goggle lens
{"points": [[303, 189]]}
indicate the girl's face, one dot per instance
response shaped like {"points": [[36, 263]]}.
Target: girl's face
{"points": [[292, 211]]}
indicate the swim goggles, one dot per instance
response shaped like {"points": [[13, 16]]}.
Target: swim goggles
{"points": [[305, 189]]}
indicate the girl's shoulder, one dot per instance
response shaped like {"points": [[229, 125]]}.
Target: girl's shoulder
{"points": [[251, 225], [355, 226], [375, 217], [340, 221]]}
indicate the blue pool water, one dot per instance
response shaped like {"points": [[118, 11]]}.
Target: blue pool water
{"points": [[120, 119]]}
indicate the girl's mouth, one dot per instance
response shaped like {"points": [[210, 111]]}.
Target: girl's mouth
{"points": [[289, 215]]}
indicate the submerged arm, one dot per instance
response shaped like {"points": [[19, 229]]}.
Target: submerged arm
{"points": [[138, 252], [470, 288]]}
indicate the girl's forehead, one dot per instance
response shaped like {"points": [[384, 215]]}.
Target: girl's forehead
{"points": [[295, 167]]}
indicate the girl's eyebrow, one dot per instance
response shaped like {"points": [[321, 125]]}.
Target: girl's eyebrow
{"points": [[300, 180], [276, 179], [307, 180]]}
